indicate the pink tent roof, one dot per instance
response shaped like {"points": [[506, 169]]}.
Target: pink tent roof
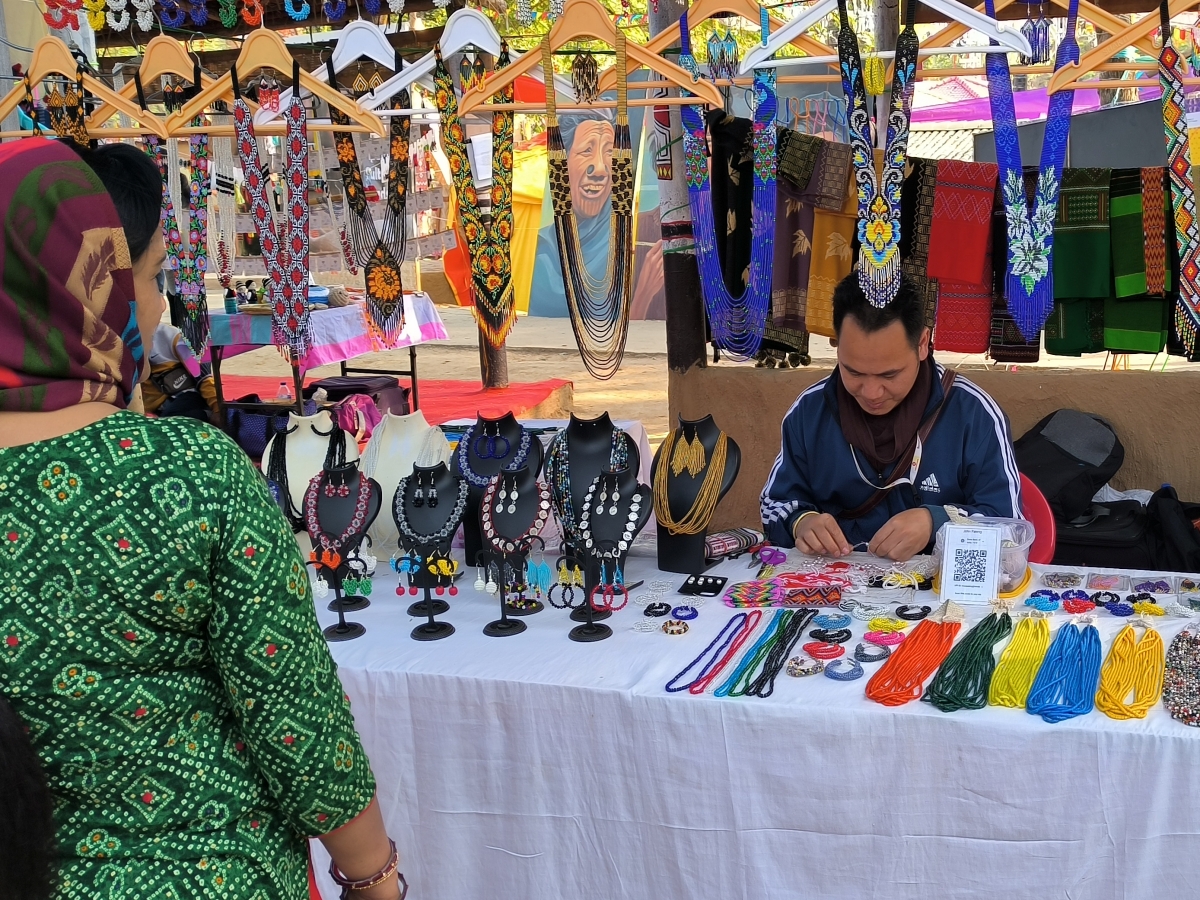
{"points": [[1029, 106]]}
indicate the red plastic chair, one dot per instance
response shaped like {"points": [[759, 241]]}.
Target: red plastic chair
{"points": [[1035, 508]]}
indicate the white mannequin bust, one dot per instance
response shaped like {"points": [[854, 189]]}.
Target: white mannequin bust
{"points": [[304, 454], [397, 444]]}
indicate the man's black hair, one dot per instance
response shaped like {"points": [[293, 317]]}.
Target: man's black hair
{"points": [[906, 308], [27, 853]]}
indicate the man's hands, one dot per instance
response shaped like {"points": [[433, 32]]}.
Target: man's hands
{"points": [[903, 536], [820, 535]]}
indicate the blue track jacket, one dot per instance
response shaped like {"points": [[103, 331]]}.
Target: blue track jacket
{"points": [[967, 462]]}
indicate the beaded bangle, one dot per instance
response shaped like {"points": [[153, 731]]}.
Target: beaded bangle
{"points": [[800, 666], [1075, 607], [1141, 597], [378, 878], [685, 613], [865, 612], [674, 626], [863, 653], [827, 636], [1075, 595], [645, 625], [1148, 608], [657, 610], [1045, 600], [831, 621], [1103, 598], [1153, 587], [883, 623], [836, 671], [821, 650], [1119, 609], [1062, 580], [884, 638], [913, 613]]}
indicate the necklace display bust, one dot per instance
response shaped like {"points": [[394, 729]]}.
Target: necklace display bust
{"points": [[300, 452], [397, 444]]}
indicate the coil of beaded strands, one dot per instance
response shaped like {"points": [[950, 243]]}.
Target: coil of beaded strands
{"points": [[713, 657], [900, 680], [839, 636], [1044, 600], [913, 613], [836, 671], [1077, 602], [1181, 682], [558, 474], [1020, 661], [739, 681], [868, 654], [963, 680], [764, 685], [1135, 667], [831, 621], [802, 666], [1066, 683], [697, 518]]}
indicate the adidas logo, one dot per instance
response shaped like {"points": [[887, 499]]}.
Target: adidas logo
{"points": [[930, 484]]}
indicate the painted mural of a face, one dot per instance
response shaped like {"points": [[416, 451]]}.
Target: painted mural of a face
{"points": [[589, 164]]}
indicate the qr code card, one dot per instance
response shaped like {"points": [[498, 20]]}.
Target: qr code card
{"points": [[970, 563]]}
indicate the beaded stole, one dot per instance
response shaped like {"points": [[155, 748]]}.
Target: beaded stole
{"points": [[737, 322], [287, 266], [491, 263], [600, 323], [1028, 281], [1183, 192], [188, 257], [379, 254], [878, 203]]}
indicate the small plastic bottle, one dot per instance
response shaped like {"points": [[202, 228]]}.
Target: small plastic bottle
{"points": [[285, 392]]}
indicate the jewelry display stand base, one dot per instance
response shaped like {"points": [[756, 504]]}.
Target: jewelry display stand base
{"points": [[432, 631], [586, 634], [349, 604], [527, 609], [422, 607], [348, 632], [598, 615], [504, 627]]}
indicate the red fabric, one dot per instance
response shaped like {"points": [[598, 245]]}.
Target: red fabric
{"points": [[961, 233], [964, 311]]}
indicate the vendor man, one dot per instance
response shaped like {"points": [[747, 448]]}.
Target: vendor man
{"points": [[872, 454]]}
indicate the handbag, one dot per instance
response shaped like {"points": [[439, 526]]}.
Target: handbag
{"points": [[252, 430], [174, 381]]}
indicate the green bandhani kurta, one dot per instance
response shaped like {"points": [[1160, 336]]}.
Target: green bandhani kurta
{"points": [[158, 637]]}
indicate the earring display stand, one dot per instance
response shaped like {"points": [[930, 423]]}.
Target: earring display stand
{"points": [[608, 529], [431, 630], [336, 520], [343, 630], [427, 506], [504, 626], [592, 629]]}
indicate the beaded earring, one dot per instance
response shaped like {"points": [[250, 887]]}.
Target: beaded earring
{"points": [[419, 494], [479, 582], [433, 497]]}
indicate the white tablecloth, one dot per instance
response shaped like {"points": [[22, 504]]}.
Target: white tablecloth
{"points": [[535, 767]]}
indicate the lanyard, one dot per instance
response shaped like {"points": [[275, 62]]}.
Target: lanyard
{"points": [[911, 478]]}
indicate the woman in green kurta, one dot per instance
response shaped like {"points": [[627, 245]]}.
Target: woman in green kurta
{"points": [[157, 634]]}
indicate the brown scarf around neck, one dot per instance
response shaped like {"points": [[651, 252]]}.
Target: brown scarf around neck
{"points": [[882, 439]]}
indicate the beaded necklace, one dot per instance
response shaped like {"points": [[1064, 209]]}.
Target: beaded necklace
{"points": [[700, 514], [415, 538], [1029, 283], [879, 203], [487, 516], [764, 685], [558, 474], [378, 250], [330, 553], [487, 241], [335, 455], [714, 657], [747, 668], [737, 322], [599, 313], [1135, 667], [1181, 683], [1019, 663], [287, 263], [964, 678], [590, 509], [900, 679], [464, 457], [1066, 683]]}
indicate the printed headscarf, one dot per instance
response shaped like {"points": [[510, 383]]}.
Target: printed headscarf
{"points": [[68, 324]]}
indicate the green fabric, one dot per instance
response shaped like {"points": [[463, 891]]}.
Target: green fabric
{"points": [[1076, 326], [158, 637], [1136, 325], [1125, 231], [1081, 238]]}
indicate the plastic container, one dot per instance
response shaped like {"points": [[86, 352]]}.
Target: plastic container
{"points": [[1015, 540], [285, 392]]}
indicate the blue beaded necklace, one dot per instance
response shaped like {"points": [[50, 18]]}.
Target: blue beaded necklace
{"points": [[1066, 683]]}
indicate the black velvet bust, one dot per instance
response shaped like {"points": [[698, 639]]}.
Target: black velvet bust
{"points": [[684, 553], [505, 428], [426, 519], [607, 531], [511, 525]]}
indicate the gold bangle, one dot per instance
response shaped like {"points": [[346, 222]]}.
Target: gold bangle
{"points": [[675, 626]]}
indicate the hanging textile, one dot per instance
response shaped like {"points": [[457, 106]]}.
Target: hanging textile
{"points": [[599, 311], [378, 250], [737, 318], [1075, 327], [1081, 238], [879, 198], [1126, 233], [222, 205], [793, 254], [961, 234], [832, 260], [1007, 344], [1183, 193], [1028, 283], [796, 154], [187, 255], [1136, 324], [916, 219], [286, 262], [964, 311], [1154, 230]]}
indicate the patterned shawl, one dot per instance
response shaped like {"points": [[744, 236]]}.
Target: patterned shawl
{"points": [[1126, 232], [1081, 238], [68, 329]]}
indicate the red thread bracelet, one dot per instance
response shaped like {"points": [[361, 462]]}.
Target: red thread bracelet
{"points": [[822, 650]]}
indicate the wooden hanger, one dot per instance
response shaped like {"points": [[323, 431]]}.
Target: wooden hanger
{"points": [[163, 56], [51, 57], [581, 20], [264, 49], [704, 10]]}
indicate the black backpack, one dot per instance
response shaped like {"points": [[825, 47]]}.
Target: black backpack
{"points": [[1069, 455], [1175, 538]]}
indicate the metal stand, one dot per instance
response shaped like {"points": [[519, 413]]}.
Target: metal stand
{"points": [[343, 630]]}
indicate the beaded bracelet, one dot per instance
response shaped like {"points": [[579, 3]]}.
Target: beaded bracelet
{"points": [[657, 610], [800, 666], [1075, 595], [821, 650], [1076, 607], [831, 621], [827, 636], [884, 638], [362, 884], [1062, 580], [674, 626], [865, 612], [913, 613], [1148, 608], [1046, 601], [835, 671], [863, 653], [883, 623], [1119, 609], [685, 613], [1141, 597], [1103, 598], [645, 625], [1153, 587]]}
